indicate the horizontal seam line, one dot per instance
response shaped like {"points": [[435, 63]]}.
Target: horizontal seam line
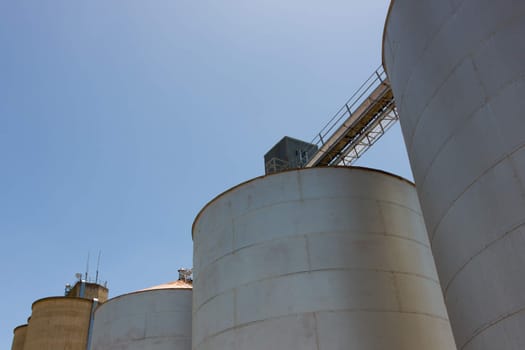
{"points": [[481, 251], [433, 232], [491, 324], [323, 311], [338, 232], [317, 270]]}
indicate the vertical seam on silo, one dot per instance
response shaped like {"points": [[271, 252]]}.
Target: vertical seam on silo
{"points": [[235, 318], [307, 247], [515, 172], [300, 186], [316, 331], [234, 237], [145, 326], [381, 216], [476, 71], [396, 291]]}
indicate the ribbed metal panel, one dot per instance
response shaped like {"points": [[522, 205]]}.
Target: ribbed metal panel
{"points": [[158, 319], [321, 259], [457, 69]]}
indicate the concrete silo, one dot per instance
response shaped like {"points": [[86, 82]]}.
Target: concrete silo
{"points": [[59, 323], [157, 318], [19, 337], [319, 258], [457, 69]]}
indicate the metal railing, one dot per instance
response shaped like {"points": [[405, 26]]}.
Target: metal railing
{"points": [[353, 102], [358, 124], [276, 165]]}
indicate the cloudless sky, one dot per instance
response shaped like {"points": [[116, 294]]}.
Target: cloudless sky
{"points": [[120, 120]]}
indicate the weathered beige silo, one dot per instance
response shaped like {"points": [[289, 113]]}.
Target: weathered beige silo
{"points": [[59, 323], [316, 259], [19, 337], [157, 318], [457, 69]]}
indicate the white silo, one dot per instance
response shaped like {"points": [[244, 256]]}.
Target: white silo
{"points": [[319, 258], [156, 318], [457, 69]]}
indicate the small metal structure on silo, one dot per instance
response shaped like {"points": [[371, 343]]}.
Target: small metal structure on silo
{"points": [[156, 318], [458, 75], [316, 259], [19, 337], [88, 290], [59, 323], [289, 153]]}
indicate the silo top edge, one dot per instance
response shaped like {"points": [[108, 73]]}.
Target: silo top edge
{"points": [[288, 171], [178, 284], [19, 327], [109, 301], [69, 299], [387, 19]]}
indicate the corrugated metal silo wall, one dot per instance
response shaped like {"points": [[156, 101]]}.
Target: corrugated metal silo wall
{"points": [[322, 258], [457, 69], [153, 320]]}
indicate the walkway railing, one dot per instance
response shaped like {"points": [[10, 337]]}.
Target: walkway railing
{"points": [[360, 122]]}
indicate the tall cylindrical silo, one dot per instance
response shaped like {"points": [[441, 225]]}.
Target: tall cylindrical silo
{"points": [[320, 258], [157, 318], [457, 69], [19, 337], [59, 323]]}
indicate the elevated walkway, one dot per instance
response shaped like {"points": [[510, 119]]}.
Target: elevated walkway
{"points": [[362, 120]]}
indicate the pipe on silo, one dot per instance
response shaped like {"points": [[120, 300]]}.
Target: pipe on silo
{"points": [[319, 258], [91, 321], [457, 69]]}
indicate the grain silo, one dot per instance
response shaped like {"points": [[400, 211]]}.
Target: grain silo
{"points": [[157, 318], [19, 337], [62, 322], [319, 258], [457, 70], [59, 323]]}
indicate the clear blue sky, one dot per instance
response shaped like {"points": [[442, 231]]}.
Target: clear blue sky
{"points": [[120, 120]]}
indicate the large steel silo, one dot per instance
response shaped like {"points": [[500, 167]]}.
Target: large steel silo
{"points": [[157, 318], [457, 69], [19, 337], [319, 258], [59, 323]]}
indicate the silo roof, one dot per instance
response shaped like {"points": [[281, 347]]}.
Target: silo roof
{"points": [[179, 284]]}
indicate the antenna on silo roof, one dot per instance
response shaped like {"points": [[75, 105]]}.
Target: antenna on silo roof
{"points": [[98, 264], [87, 267]]}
